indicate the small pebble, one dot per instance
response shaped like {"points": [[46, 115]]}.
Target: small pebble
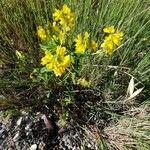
{"points": [[1, 131], [16, 137], [19, 121], [28, 127], [41, 146], [33, 147]]}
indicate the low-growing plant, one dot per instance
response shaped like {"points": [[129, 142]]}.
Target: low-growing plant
{"points": [[65, 55], [75, 59]]}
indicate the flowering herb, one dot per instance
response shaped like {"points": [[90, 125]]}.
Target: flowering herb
{"points": [[60, 55]]}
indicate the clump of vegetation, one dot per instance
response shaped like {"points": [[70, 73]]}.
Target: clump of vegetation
{"points": [[87, 62]]}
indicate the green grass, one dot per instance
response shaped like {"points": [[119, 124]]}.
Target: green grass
{"points": [[110, 75]]}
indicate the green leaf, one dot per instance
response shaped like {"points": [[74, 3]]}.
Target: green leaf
{"points": [[51, 45]]}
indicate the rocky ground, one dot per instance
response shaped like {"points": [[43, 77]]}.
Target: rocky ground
{"points": [[25, 132]]}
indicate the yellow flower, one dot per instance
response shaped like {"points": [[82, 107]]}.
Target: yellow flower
{"points": [[41, 33], [57, 62], [60, 67], [57, 15], [83, 82], [51, 64], [81, 43], [60, 34], [64, 17], [66, 61], [110, 29], [108, 46], [60, 51], [58, 70], [112, 40], [117, 37], [86, 36], [47, 58], [66, 9], [61, 37], [93, 45]]}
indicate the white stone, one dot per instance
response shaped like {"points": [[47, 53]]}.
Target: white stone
{"points": [[33, 147], [28, 127], [16, 137], [19, 121]]}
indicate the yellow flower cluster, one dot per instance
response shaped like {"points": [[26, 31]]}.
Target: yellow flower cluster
{"points": [[57, 62], [83, 82], [83, 42], [57, 58], [63, 21], [112, 40], [41, 33], [64, 17]]}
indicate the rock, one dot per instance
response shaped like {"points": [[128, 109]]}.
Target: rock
{"points": [[16, 137], [33, 147], [26, 132], [41, 146], [19, 121]]}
